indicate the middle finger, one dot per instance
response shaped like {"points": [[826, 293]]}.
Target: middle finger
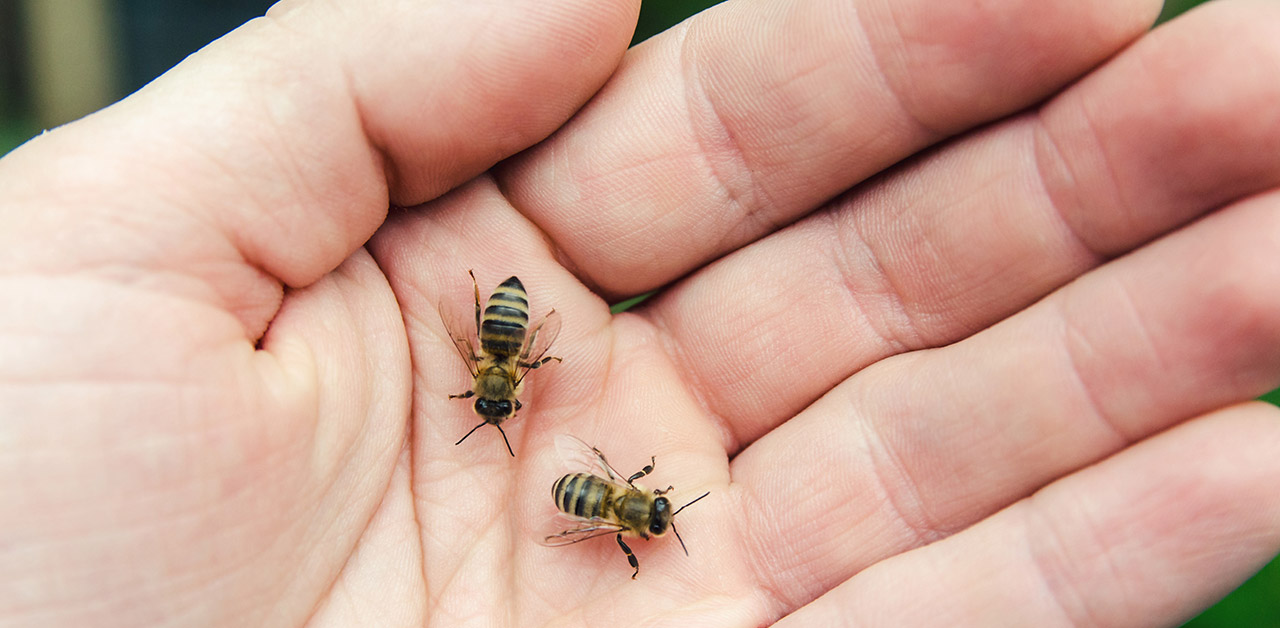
{"points": [[755, 112]]}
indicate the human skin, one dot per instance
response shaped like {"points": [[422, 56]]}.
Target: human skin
{"points": [[961, 308]]}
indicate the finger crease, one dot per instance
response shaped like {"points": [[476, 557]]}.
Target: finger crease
{"points": [[897, 337], [1073, 342], [719, 146], [1046, 151], [1045, 549], [910, 116], [898, 488]]}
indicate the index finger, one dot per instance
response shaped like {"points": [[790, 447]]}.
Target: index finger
{"points": [[756, 111]]}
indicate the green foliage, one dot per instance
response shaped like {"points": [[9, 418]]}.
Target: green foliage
{"points": [[1273, 398], [1173, 8], [1253, 604], [13, 132], [629, 303], [659, 15]]}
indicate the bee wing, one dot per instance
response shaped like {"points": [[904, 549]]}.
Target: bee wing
{"points": [[579, 456], [454, 324], [587, 529], [538, 342]]}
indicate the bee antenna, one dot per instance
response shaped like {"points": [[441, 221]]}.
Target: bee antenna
{"points": [[504, 439], [673, 523], [673, 529], [469, 434], [688, 505]]}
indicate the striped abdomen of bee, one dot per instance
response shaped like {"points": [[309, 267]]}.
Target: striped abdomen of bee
{"points": [[590, 497], [505, 321], [607, 508]]}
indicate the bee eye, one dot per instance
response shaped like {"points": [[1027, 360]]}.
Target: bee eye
{"points": [[661, 517]]}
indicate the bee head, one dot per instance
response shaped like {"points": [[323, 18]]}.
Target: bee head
{"points": [[661, 518], [492, 409]]}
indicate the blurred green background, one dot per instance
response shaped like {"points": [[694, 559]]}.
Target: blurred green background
{"points": [[61, 59]]}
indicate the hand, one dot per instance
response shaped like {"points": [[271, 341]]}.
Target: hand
{"points": [[989, 375]]}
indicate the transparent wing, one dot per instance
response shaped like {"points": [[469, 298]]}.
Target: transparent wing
{"points": [[461, 330], [537, 343], [579, 456], [587, 529]]}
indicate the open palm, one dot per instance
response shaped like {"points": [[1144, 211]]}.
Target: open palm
{"points": [[938, 362]]}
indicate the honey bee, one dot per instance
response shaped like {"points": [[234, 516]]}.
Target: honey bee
{"points": [[509, 349], [611, 504]]}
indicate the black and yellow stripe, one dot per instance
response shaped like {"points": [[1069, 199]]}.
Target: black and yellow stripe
{"points": [[506, 320], [583, 495]]}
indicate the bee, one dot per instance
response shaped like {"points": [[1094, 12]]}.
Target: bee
{"points": [[509, 349], [611, 504]]}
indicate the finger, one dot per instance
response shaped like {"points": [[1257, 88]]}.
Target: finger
{"points": [[987, 225], [271, 155], [1147, 538], [919, 446], [713, 138]]}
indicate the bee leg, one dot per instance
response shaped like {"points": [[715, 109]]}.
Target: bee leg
{"points": [[476, 287], [532, 341], [518, 405], [466, 395], [643, 472], [631, 556], [534, 365]]}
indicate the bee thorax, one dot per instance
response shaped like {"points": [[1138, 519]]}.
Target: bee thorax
{"points": [[495, 383]]}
